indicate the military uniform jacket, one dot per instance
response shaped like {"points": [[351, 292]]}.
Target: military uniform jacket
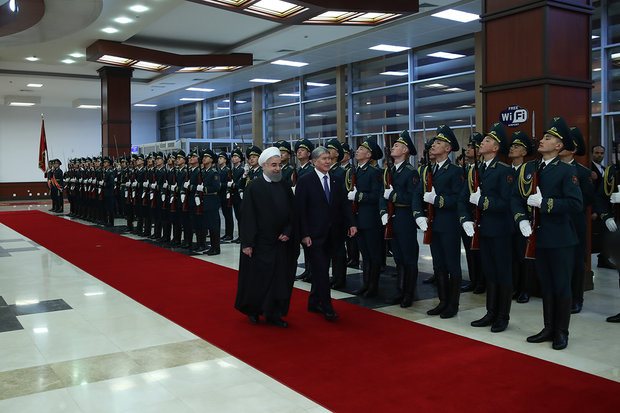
{"points": [[602, 206], [496, 186], [580, 217], [405, 182], [108, 182], [211, 180], [140, 178], [224, 173], [181, 175], [58, 177], [194, 181], [287, 173], [369, 185], [561, 196], [448, 183], [302, 170], [237, 178]]}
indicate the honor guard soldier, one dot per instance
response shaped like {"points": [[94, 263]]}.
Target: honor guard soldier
{"points": [[125, 189], [495, 226], [58, 186], [553, 200], [442, 198], [353, 252], [171, 187], [336, 152], [252, 170], [49, 173], [184, 226], [580, 217], [303, 150], [138, 186], [366, 194], [149, 179], [236, 185], [70, 179], [224, 195], [339, 252], [345, 163], [193, 207], [289, 174], [405, 182], [520, 146], [210, 188], [108, 191], [157, 190]]}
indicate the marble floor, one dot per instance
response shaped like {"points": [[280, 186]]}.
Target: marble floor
{"points": [[70, 343]]}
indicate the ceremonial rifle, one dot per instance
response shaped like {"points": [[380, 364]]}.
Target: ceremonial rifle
{"points": [[389, 226], [530, 247], [230, 190], [475, 240], [201, 194], [172, 201], [184, 207], [428, 234], [154, 191]]}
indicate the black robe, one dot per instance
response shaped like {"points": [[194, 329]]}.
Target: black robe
{"points": [[266, 279]]}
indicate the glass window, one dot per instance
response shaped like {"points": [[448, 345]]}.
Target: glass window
{"points": [[320, 119], [383, 71], [167, 134], [596, 80], [242, 127], [242, 101], [613, 79], [457, 57], [282, 123], [596, 24], [282, 93], [218, 128], [381, 108], [187, 113], [188, 131], [167, 117], [449, 101], [320, 85], [218, 107], [613, 21]]}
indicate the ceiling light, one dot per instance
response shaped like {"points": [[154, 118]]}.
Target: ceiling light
{"points": [[289, 63], [34, 85], [456, 15], [389, 73], [241, 101], [275, 8], [150, 66], [373, 17], [76, 55], [109, 30], [222, 68], [389, 48], [68, 61], [89, 107], [260, 80], [317, 84], [293, 95], [199, 89], [191, 69], [446, 55], [333, 16], [315, 115], [595, 37], [596, 69], [82, 103], [22, 100], [453, 89], [192, 99], [138, 8], [22, 104], [464, 106], [115, 60], [123, 20], [435, 85], [32, 58], [145, 105]]}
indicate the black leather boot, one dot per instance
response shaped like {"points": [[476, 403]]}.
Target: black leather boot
{"points": [[215, 243], [504, 300], [561, 312], [147, 228], [353, 253], [365, 275], [166, 230], [454, 295], [442, 292], [613, 318], [373, 280], [411, 283], [400, 286], [546, 334], [430, 280], [188, 234], [489, 317], [339, 272], [176, 236], [577, 289], [201, 243]]}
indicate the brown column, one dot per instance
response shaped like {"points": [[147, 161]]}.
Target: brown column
{"points": [[341, 104], [115, 110], [537, 56], [257, 116]]}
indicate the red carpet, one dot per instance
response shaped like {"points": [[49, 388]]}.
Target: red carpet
{"points": [[366, 361]]}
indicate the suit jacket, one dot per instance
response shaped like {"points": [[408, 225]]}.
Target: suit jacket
{"points": [[319, 219], [599, 176]]}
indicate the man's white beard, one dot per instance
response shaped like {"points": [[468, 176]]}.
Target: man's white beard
{"points": [[275, 177]]}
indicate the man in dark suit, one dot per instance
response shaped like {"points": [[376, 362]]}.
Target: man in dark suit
{"points": [[323, 215], [599, 230]]}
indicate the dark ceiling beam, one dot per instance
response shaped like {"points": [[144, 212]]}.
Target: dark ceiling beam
{"points": [[27, 15]]}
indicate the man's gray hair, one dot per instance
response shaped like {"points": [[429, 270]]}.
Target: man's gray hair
{"points": [[318, 151]]}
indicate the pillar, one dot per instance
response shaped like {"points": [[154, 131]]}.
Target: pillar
{"points": [[115, 111]]}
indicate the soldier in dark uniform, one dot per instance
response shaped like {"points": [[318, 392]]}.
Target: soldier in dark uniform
{"points": [[579, 217], [194, 210], [405, 185], [108, 191], [157, 190], [138, 189], [57, 187], [520, 147], [303, 150], [446, 243], [339, 252], [124, 176], [252, 169], [210, 188], [184, 222], [236, 185], [148, 196], [492, 198], [167, 197], [557, 195], [367, 193], [353, 252], [289, 173], [224, 195]]}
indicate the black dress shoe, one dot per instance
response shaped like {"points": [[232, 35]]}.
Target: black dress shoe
{"points": [[523, 298], [480, 289], [576, 308], [353, 264], [316, 309], [331, 316], [546, 334], [302, 275], [278, 322], [236, 241], [467, 286], [560, 340], [499, 325], [227, 238], [254, 319], [429, 280], [485, 321], [613, 318]]}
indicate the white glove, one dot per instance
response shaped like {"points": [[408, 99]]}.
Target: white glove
{"points": [[535, 200], [153, 186], [163, 197], [293, 189], [133, 194], [151, 196], [126, 194], [468, 227], [197, 199], [134, 184], [145, 183], [422, 223], [229, 184], [165, 185], [182, 197], [351, 195], [127, 183], [101, 182], [611, 225], [246, 170], [227, 195], [387, 193], [241, 195], [186, 184], [200, 188], [525, 227], [81, 180], [173, 187], [384, 219], [99, 191], [143, 194], [475, 198], [115, 179], [615, 198], [429, 197]]}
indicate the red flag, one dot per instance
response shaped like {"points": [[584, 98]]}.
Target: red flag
{"points": [[43, 148]]}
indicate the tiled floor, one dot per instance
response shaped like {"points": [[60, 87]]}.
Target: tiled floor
{"points": [[69, 343]]}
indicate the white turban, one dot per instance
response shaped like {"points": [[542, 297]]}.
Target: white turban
{"points": [[268, 153]]}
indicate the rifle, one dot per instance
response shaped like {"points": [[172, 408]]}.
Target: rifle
{"points": [[354, 186], [389, 227], [154, 191], [125, 178], [184, 207], [428, 234], [102, 176], [475, 240], [530, 247], [202, 193], [172, 201], [133, 191]]}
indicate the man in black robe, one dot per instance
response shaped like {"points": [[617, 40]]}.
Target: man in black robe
{"points": [[269, 246]]}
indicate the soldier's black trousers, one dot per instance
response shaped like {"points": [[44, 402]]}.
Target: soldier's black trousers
{"points": [[497, 259], [554, 267]]}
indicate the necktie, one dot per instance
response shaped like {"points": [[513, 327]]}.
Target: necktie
{"points": [[435, 168], [541, 167], [326, 187], [483, 168]]}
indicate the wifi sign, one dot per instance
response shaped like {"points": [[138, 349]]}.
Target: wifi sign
{"points": [[514, 116]]}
